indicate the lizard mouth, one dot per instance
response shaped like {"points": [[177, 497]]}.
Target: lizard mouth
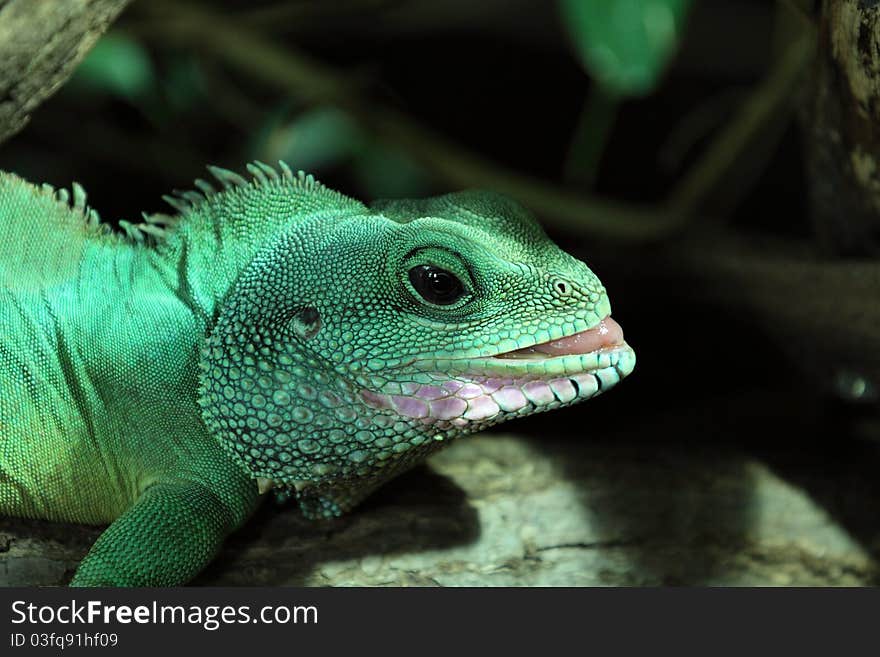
{"points": [[599, 348], [606, 336], [474, 392]]}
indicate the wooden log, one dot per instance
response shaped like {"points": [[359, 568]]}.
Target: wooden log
{"points": [[40, 45], [506, 510], [842, 121]]}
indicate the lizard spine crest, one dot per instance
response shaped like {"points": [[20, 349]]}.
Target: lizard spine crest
{"points": [[75, 203], [156, 227]]}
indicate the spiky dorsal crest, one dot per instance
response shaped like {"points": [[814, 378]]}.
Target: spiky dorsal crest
{"points": [[156, 227], [46, 229], [72, 204], [73, 212]]}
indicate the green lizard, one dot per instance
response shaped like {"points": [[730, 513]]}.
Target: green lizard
{"points": [[270, 334]]}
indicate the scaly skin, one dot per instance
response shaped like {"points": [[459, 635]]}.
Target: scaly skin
{"points": [[271, 334]]}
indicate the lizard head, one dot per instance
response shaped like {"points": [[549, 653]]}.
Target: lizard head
{"points": [[349, 349]]}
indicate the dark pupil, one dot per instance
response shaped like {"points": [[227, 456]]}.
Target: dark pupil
{"points": [[435, 285]]}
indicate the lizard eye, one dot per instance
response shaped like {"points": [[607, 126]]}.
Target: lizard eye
{"points": [[436, 285]]}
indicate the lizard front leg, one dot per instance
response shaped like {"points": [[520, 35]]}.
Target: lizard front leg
{"points": [[168, 536]]}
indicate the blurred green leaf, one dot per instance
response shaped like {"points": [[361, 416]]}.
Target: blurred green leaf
{"points": [[385, 172], [327, 137], [318, 138], [625, 44], [184, 84], [118, 66]]}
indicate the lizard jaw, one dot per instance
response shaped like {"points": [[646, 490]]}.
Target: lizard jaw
{"points": [[481, 390], [473, 393]]}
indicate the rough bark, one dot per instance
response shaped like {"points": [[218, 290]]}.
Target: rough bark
{"points": [[843, 128], [507, 510], [40, 45]]}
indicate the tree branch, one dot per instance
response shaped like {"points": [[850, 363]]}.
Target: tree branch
{"points": [[287, 70], [40, 45]]}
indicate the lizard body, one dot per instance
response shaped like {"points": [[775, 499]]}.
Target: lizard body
{"points": [[271, 334]]}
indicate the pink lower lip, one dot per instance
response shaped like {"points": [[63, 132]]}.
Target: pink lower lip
{"points": [[606, 335]]}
